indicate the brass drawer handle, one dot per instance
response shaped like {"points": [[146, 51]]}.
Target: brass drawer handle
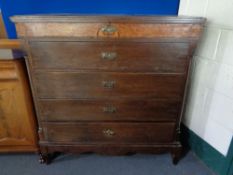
{"points": [[108, 132], [108, 29], [109, 109], [108, 55], [109, 84]]}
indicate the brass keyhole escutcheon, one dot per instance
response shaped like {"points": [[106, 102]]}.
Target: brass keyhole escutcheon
{"points": [[108, 132], [109, 84], [108, 29], [109, 109], [108, 55]]}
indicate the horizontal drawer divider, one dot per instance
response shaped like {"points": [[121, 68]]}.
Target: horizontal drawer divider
{"points": [[104, 71], [129, 40], [111, 98], [110, 121], [164, 144], [84, 122], [99, 71], [168, 144]]}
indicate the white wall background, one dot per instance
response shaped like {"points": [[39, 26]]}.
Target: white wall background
{"points": [[209, 111]]}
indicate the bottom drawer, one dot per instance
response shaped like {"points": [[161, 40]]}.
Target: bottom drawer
{"points": [[109, 132]]}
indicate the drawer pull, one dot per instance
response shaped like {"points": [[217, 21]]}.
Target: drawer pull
{"points": [[108, 132], [109, 84], [108, 55], [108, 30], [109, 109]]}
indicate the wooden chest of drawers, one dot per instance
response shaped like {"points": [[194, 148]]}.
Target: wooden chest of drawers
{"points": [[108, 84]]}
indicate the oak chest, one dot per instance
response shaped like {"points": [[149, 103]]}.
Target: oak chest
{"points": [[108, 84]]}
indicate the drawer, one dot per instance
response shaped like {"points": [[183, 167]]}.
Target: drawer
{"points": [[109, 110], [137, 133], [111, 56], [110, 28], [105, 85]]}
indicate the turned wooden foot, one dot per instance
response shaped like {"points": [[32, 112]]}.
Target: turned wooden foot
{"points": [[44, 159], [176, 154], [47, 158], [175, 159]]}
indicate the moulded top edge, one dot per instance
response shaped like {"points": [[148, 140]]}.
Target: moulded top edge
{"points": [[106, 18]]}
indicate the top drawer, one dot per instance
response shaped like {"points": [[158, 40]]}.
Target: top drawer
{"points": [[95, 27], [98, 30]]}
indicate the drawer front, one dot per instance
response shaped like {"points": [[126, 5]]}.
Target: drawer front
{"points": [[96, 30], [109, 110], [109, 132], [117, 56], [105, 85]]}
